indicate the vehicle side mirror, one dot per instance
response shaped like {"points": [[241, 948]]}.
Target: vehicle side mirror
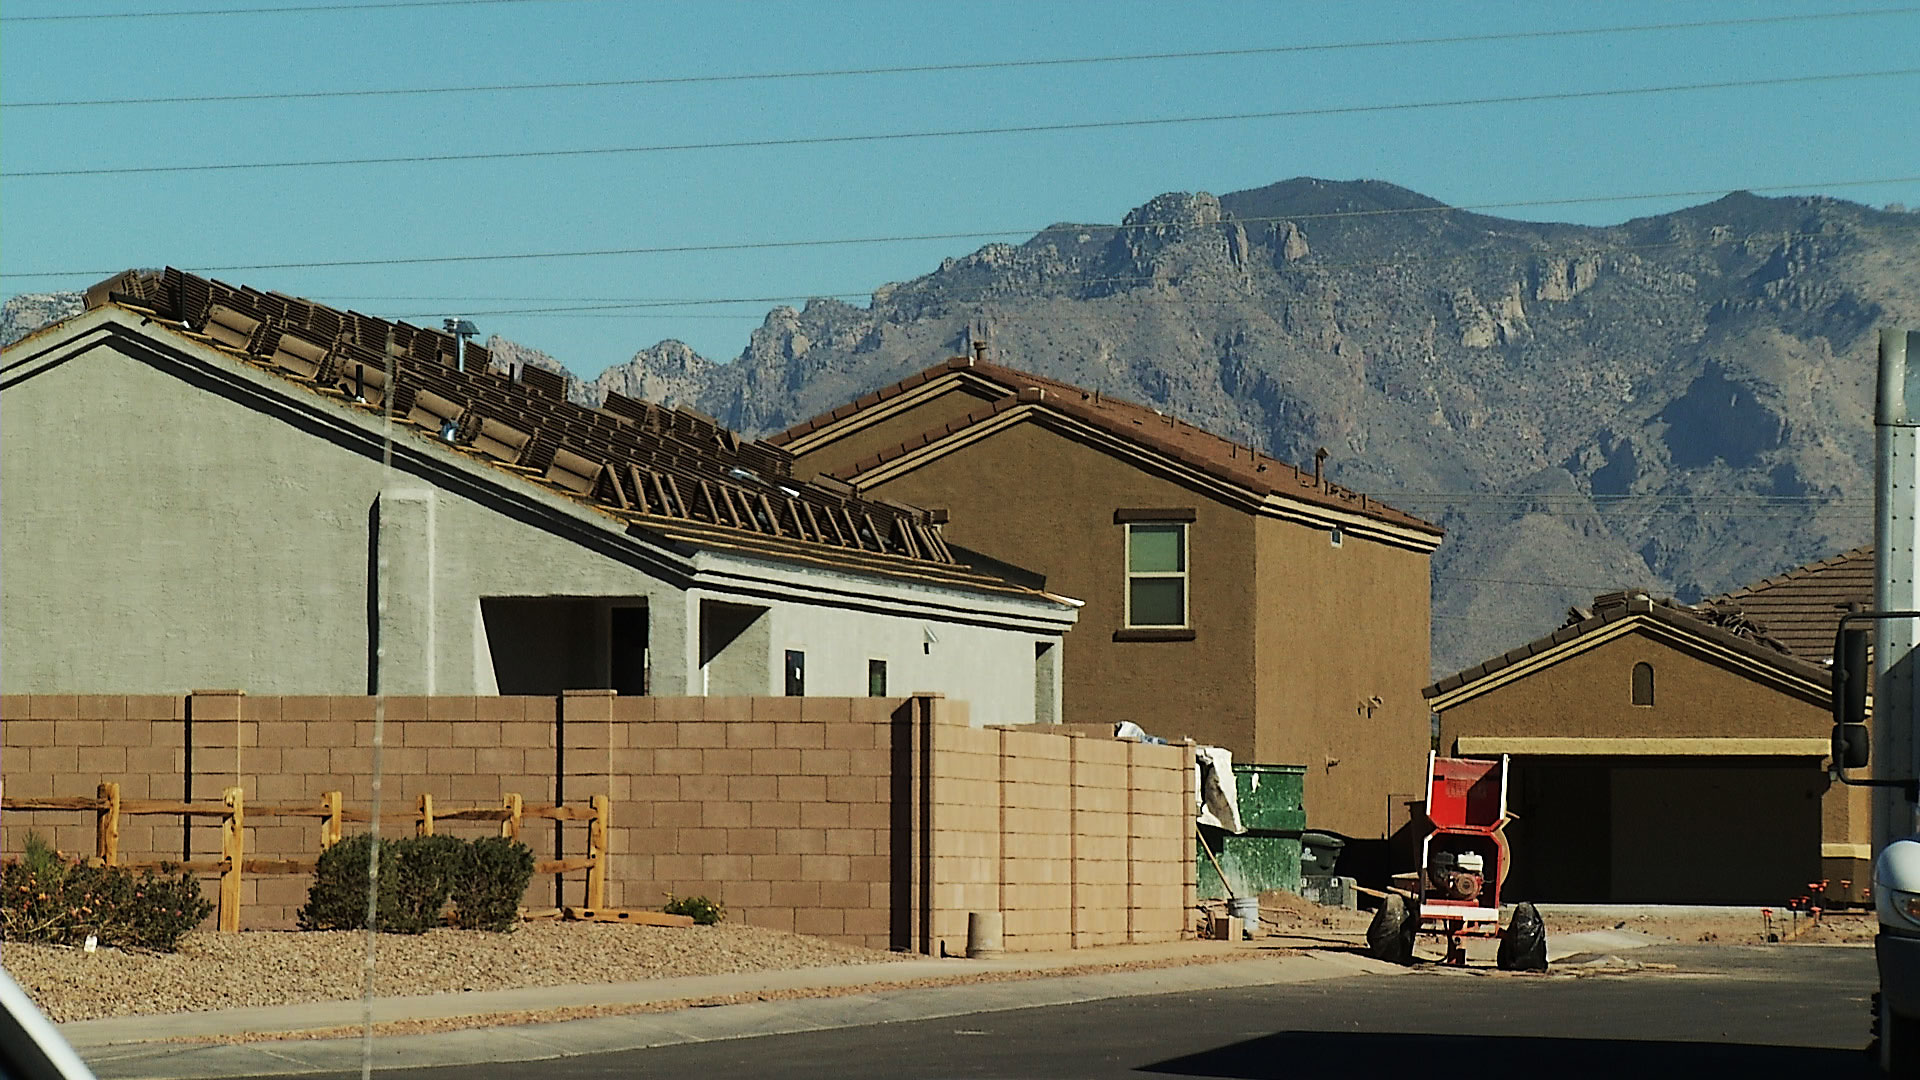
{"points": [[1851, 745]]}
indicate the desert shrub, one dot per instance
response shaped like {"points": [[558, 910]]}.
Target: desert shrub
{"points": [[703, 911], [45, 898], [490, 883], [337, 899], [417, 877], [422, 879]]}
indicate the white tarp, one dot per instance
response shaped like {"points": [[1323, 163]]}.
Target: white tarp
{"points": [[1213, 780]]}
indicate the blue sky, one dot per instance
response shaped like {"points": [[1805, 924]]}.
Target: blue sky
{"points": [[1811, 135]]}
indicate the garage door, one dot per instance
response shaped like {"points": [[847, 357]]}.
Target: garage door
{"points": [[1729, 831]]}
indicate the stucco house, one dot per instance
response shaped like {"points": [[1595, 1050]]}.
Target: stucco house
{"points": [[1229, 596], [213, 486], [1673, 754]]}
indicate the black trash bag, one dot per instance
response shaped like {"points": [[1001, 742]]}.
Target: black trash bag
{"points": [[1524, 946], [1390, 935]]}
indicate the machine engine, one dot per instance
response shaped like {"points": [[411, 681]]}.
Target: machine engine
{"points": [[1456, 876]]}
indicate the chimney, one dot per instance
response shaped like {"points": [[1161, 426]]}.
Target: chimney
{"points": [[1319, 460]]}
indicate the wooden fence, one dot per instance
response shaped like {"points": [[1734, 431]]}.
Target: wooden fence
{"points": [[233, 812]]}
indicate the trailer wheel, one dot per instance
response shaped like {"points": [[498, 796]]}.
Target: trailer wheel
{"points": [[1390, 935], [1899, 1041]]}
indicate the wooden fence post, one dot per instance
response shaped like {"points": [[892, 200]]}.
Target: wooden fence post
{"points": [[330, 825], [510, 828], [597, 852], [106, 826], [233, 850], [424, 827]]}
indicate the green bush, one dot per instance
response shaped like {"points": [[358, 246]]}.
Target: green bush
{"points": [[337, 899], [417, 876], [703, 911], [45, 898], [491, 881]]}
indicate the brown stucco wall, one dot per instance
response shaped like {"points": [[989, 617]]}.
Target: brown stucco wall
{"points": [[1589, 695], [1337, 627], [1038, 499], [944, 407]]}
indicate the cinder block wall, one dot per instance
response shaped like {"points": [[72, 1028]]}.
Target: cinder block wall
{"points": [[880, 821]]}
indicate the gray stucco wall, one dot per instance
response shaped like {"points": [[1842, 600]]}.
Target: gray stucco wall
{"points": [[160, 536]]}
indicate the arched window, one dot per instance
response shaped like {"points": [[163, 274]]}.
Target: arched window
{"points": [[1643, 684]]}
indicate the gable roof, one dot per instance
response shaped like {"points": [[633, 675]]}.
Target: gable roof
{"points": [[1175, 440], [1802, 607], [1614, 614], [664, 474]]}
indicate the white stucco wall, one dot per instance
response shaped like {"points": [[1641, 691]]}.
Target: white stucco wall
{"points": [[159, 536]]}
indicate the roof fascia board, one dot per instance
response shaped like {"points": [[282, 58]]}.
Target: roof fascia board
{"points": [[1286, 508], [52, 346], [879, 411], [1081, 431], [739, 575], [1696, 644], [1277, 504], [1678, 746]]}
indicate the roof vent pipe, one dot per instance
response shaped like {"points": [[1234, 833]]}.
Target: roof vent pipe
{"points": [[461, 329], [980, 351]]}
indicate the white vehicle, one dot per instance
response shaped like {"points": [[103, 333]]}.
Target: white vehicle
{"points": [[1895, 721]]}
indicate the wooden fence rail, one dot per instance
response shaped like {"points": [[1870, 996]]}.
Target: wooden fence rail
{"points": [[233, 811]]}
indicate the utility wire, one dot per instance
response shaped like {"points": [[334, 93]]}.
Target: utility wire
{"points": [[952, 133], [767, 245], [303, 9], [920, 69]]}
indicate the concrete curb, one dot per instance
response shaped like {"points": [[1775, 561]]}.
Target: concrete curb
{"points": [[121, 1059]]}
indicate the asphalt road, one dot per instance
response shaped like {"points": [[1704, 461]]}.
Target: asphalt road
{"points": [[1746, 1012]]}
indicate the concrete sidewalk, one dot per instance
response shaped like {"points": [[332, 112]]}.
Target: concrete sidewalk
{"points": [[134, 1048]]}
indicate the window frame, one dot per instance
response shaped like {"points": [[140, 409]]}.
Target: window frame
{"points": [[1184, 574], [876, 666], [1633, 686]]}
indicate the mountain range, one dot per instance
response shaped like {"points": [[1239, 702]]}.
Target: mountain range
{"points": [[1680, 402]]}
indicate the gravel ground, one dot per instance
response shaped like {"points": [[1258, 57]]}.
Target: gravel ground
{"points": [[217, 971]]}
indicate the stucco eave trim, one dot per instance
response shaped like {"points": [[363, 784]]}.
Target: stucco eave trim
{"points": [[747, 576], [1806, 689], [860, 419], [1558, 746]]}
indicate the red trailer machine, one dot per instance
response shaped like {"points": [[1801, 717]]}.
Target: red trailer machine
{"points": [[1464, 859]]}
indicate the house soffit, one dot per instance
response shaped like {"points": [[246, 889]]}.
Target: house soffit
{"points": [[1693, 646]]}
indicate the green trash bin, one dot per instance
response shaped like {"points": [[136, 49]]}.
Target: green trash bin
{"points": [[1267, 856]]}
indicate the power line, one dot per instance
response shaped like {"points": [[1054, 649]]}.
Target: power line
{"points": [[767, 245], [951, 133], [919, 69], [615, 306], [303, 9]]}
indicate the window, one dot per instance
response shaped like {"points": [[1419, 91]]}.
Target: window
{"points": [[1643, 684], [1337, 536], [876, 678], [1156, 573], [796, 673]]}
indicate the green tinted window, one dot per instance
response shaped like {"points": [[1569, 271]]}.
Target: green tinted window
{"points": [[1159, 601], [1156, 549]]}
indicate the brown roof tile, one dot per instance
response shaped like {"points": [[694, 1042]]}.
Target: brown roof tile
{"points": [[671, 470], [1802, 607], [1195, 447]]}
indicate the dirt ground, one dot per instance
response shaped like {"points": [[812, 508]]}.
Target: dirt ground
{"points": [[1290, 921]]}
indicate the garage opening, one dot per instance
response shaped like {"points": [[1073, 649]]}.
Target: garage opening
{"points": [[1673, 831]]}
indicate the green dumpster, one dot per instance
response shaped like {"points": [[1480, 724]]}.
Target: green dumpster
{"points": [[1267, 855]]}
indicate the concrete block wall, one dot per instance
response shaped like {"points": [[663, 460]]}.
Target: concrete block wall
{"points": [[880, 821], [1077, 841]]}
